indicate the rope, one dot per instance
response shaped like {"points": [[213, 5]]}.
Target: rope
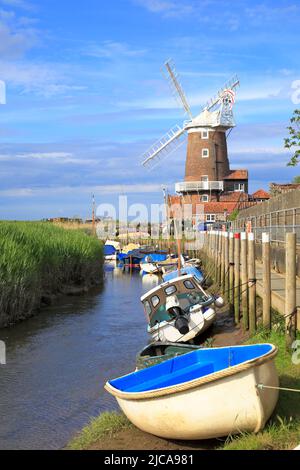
{"points": [[293, 313], [261, 386]]}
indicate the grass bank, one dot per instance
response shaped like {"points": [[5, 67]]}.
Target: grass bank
{"points": [[114, 431], [39, 261]]}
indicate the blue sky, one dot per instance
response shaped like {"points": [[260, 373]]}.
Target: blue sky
{"points": [[86, 97]]}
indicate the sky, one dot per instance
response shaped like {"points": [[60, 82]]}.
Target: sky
{"points": [[85, 96]]}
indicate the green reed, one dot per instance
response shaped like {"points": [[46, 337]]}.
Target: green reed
{"points": [[39, 259]]}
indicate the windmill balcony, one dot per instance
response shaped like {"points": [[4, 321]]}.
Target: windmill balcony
{"points": [[191, 186]]}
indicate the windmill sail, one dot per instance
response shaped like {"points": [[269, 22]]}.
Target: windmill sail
{"points": [[230, 85], [170, 142], [177, 90]]}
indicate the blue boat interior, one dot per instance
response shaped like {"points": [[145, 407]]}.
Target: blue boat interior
{"points": [[188, 367]]}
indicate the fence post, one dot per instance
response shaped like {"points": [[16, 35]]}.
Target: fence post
{"points": [[236, 278], [219, 258], [266, 280], [222, 263], [290, 290], [244, 280], [252, 283], [226, 264], [231, 270]]}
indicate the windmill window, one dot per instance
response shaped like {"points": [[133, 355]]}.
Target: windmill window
{"points": [[204, 178], [205, 153], [204, 198], [204, 134]]}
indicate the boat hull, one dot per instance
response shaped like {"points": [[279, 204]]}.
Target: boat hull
{"points": [[198, 323], [229, 405]]}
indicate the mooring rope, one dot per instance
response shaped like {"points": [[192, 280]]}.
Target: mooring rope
{"points": [[261, 386]]}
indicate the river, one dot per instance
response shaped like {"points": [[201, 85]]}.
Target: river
{"points": [[58, 361]]}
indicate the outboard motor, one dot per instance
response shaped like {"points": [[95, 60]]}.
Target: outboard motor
{"points": [[181, 322]]}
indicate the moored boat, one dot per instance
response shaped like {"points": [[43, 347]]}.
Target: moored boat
{"points": [[155, 353], [110, 250], [204, 394], [179, 309]]}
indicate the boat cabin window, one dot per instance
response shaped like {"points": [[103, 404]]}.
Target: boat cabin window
{"points": [[147, 307], [155, 300], [170, 290], [189, 284]]}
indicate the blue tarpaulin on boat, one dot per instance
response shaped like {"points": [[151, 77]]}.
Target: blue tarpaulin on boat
{"points": [[188, 367], [154, 258], [109, 250], [185, 270]]}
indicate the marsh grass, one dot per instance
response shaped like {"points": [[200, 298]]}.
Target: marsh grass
{"points": [[39, 259]]}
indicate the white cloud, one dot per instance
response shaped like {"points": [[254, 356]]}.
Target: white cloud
{"points": [[168, 8], [23, 4], [111, 50], [54, 157], [69, 190]]}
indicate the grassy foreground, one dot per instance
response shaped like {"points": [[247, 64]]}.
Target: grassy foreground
{"points": [[282, 431], [39, 260]]}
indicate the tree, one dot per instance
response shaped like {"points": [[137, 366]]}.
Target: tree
{"points": [[296, 180], [293, 141]]}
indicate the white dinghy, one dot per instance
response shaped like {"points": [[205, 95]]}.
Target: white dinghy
{"points": [[204, 394]]}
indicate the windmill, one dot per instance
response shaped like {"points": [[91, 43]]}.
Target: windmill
{"points": [[216, 115]]}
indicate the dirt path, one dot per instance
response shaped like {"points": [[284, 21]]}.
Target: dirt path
{"points": [[224, 333]]}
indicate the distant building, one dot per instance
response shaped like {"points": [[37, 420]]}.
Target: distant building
{"points": [[261, 196], [276, 189]]}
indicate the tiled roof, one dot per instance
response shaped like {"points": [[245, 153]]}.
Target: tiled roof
{"points": [[261, 194], [237, 175], [219, 207]]}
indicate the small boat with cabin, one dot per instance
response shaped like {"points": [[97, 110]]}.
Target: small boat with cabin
{"points": [[179, 309]]}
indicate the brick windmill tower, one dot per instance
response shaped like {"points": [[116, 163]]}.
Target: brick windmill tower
{"points": [[208, 178]]}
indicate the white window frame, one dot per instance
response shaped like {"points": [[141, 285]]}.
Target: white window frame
{"points": [[210, 217], [204, 135], [204, 198], [204, 179], [241, 187], [205, 150]]}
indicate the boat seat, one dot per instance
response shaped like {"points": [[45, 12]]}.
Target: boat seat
{"points": [[180, 376]]}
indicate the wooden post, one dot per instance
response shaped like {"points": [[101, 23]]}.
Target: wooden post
{"points": [[218, 264], [290, 290], [231, 269], [222, 262], [236, 301], [244, 281], [226, 264], [252, 283], [266, 280]]}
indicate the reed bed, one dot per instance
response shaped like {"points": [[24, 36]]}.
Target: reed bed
{"points": [[39, 260]]}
